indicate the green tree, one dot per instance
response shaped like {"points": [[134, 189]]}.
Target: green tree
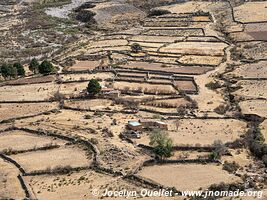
{"points": [[46, 67], [93, 87], [5, 70], [13, 72], [20, 69], [162, 144], [136, 48], [8, 71], [34, 65]]}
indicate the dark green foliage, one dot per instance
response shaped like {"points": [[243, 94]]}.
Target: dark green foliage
{"points": [[162, 144], [158, 12], [34, 65], [8, 71], [136, 48], [20, 69], [46, 67], [93, 87], [85, 16]]}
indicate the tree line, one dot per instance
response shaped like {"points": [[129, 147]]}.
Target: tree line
{"points": [[9, 71]]}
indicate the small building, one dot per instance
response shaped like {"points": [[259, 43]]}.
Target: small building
{"points": [[134, 125], [151, 123]]}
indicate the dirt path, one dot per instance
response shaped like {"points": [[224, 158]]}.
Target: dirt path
{"points": [[208, 99]]}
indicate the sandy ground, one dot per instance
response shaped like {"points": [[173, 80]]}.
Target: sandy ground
{"points": [[201, 60], [201, 48], [165, 68], [145, 87], [192, 6], [251, 12], [19, 140], [80, 186], [84, 65], [254, 107], [8, 111], [9, 183], [252, 89], [42, 160], [78, 77], [201, 176], [28, 92], [255, 70], [95, 104]]}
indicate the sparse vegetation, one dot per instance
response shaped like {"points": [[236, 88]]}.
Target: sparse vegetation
{"points": [[136, 48], [162, 144]]}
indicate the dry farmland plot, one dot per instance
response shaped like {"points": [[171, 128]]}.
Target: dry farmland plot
{"points": [[32, 80], [10, 187], [252, 89], [50, 159], [8, 111], [165, 68], [199, 131], [173, 103], [252, 50], [191, 6], [35, 92], [251, 12], [147, 88], [185, 85], [107, 43], [75, 186], [199, 48], [73, 89], [175, 32], [255, 70], [84, 65], [95, 104], [204, 132], [79, 77], [201, 176], [200, 60], [158, 39], [254, 107], [19, 140]]}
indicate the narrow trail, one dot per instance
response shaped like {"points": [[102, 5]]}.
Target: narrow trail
{"points": [[210, 99]]}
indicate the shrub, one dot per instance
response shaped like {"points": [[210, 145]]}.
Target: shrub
{"points": [[162, 144], [231, 167], [158, 12], [136, 48], [221, 109], [85, 16], [213, 85]]}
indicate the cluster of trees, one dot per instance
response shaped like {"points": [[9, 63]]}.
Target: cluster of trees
{"points": [[45, 67], [12, 71], [9, 71]]}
